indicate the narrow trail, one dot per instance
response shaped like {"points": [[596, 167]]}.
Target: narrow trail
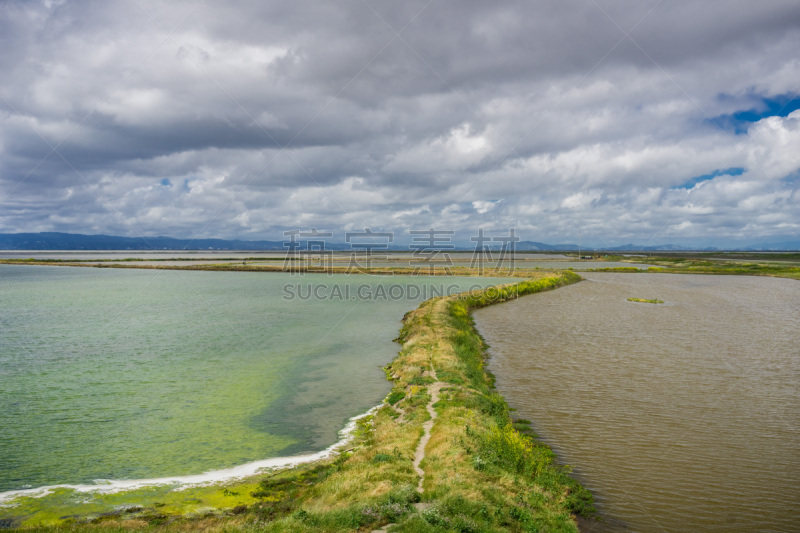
{"points": [[419, 454]]}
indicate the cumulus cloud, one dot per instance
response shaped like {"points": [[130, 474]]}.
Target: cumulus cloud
{"points": [[592, 122]]}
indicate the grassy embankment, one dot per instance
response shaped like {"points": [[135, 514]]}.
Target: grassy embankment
{"points": [[435, 269], [754, 265], [483, 471], [759, 266], [646, 301]]}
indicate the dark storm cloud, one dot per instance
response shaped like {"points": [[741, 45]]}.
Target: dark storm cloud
{"points": [[568, 120]]}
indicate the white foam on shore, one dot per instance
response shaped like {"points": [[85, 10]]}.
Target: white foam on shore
{"points": [[214, 476]]}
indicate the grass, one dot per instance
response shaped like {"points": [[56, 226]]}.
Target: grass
{"points": [[759, 265], [483, 470], [646, 301], [276, 266], [743, 264], [737, 269]]}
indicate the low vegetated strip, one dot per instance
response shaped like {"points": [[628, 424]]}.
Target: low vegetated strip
{"points": [[765, 266], [401, 270], [784, 266], [646, 301], [483, 471]]}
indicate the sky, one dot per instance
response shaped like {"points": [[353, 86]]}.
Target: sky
{"points": [[599, 122]]}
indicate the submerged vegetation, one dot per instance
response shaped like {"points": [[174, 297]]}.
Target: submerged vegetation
{"points": [[646, 301], [481, 470]]}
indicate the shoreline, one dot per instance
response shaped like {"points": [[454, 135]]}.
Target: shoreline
{"points": [[476, 455], [224, 475], [234, 473], [211, 477], [435, 269]]}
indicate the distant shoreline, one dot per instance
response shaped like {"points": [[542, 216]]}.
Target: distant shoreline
{"points": [[676, 264]]}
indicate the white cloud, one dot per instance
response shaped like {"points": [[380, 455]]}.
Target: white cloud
{"points": [[483, 207], [266, 115], [774, 148]]}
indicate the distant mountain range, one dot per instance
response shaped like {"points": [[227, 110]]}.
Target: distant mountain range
{"points": [[532, 246], [774, 246], [75, 241]]}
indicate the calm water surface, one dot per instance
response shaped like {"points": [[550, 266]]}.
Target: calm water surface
{"points": [[678, 417], [401, 260], [131, 374]]}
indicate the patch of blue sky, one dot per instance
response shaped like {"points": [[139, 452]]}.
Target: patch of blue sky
{"points": [[691, 183], [774, 106], [793, 179]]}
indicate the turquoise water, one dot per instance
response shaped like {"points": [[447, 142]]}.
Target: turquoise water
{"points": [[132, 374]]}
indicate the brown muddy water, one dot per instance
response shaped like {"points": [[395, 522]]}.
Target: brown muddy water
{"points": [[683, 416]]}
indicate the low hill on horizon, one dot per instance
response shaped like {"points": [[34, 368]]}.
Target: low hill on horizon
{"points": [[77, 241]]}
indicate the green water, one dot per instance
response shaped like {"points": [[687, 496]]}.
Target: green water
{"points": [[134, 374]]}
